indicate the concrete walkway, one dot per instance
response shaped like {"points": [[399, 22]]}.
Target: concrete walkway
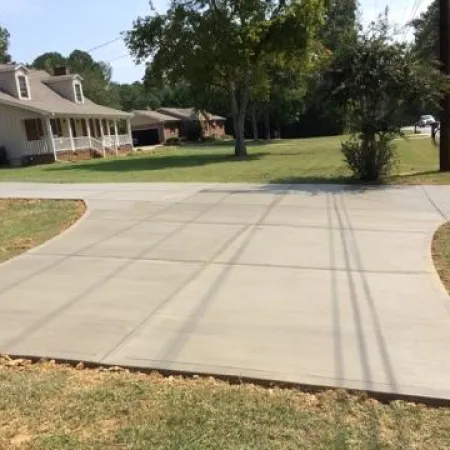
{"points": [[323, 285]]}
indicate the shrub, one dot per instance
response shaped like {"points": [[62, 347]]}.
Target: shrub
{"points": [[210, 138], [370, 159], [173, 141], [4, 161]]}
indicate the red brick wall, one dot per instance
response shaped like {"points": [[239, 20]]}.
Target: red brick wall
{"points": [[79, 155], [85, 154], [214, 128], [125, 149], [171, 131]]}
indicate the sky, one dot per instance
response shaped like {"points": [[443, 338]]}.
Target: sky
{"points": [[38, 26]]}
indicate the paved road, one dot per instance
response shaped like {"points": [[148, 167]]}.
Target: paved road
{"points": [[327, 285], [423, 132]]}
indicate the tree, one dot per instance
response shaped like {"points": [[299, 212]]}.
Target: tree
{"points": [[48, 61], [375, 78], [5, 57], [279, 95], [341, 23], [219, 46], [426, 32], [340, 28], [96, 74]]}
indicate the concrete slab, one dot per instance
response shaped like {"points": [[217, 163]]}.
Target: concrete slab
{"points": [[328, 285], [233, 214]]}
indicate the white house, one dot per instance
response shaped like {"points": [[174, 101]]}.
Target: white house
{"points": [[46, 118]]}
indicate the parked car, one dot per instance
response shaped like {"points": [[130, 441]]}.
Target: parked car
{"points": [[426, 120]]}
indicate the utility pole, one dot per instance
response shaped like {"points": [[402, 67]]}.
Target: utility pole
{"points": [[444, 151]]}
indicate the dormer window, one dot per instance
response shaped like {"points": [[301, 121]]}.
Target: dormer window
{"points": [[78, 93], [24, 90]]}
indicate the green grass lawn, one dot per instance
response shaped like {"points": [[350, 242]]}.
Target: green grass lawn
{"points": [[27, 223], [286, 161], [441, 253], [48, 407]]}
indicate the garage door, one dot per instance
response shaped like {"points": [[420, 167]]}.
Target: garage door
{"points": [[146, 137]]}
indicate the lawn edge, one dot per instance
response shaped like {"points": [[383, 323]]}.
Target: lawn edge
{"points": [[71, 227], [382, 397], [441, 266]]}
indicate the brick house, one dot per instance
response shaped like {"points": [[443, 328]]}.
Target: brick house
{"points": [[45, 118], [195, 124], [151, 127]]}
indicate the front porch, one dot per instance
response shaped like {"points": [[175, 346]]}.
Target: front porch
{"points": [[77, 138]]}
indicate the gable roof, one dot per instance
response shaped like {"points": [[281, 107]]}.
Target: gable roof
{"points": [[190, 114], [156, 116], [11, 67], [46, 101]]}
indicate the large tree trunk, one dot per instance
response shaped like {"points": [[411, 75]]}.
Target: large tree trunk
{"points": [[267, 125], [254, 122], [239, 102]]}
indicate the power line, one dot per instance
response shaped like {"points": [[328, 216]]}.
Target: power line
{"points": [[119, 57], [412, 16], [104, 45]]}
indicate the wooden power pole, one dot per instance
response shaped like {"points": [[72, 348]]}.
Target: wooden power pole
{"points": [[444, 151]]}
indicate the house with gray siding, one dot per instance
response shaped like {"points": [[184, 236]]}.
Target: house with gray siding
{"points": [[45, 118]]}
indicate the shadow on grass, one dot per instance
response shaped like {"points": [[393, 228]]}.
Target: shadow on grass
{"points": [[152, 162], [426, 173]]}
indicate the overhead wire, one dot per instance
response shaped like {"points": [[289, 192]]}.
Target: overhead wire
{"points": [[112, 41], [412, 16]]}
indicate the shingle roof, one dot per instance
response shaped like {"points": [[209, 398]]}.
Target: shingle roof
{"points": [[189, 114], [156, 116], [45, 100], [9, 67]]}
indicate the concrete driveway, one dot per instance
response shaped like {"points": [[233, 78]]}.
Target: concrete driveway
{"points": [[323, 285]]}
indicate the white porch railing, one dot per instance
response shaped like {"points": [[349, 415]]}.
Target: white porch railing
{"points": [[63, 144], [78, 143], [124, 139], [109, 141], [97, 145], [37, 147]]}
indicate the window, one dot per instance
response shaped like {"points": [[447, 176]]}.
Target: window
{"points": [[56, 127], [23, 87], [34, 129], [78, 93]]}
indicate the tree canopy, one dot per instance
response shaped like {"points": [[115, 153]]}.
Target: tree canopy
{"points": [[223, 46], [5, 57], [375, 78], [426, 32], [340, 24]]}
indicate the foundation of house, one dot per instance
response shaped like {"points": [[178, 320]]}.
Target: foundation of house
{"points": [[77, 155]]}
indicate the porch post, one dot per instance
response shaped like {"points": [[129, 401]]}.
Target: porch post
{"points": [[116, 132], [108, 129], [102, 134], [88, 129], [69, 132], [50, 137], [130, 133]]}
